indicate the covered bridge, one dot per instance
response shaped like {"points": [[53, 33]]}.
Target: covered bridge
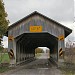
{"points": [[36, 30]]}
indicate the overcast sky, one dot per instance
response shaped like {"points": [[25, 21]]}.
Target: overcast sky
{"points": [[59, 10]]}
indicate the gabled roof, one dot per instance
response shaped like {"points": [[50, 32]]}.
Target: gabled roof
{"points": [[67, 30]]}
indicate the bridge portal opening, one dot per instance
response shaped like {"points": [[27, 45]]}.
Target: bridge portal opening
{"points": [[42, 53], [28, 42]]}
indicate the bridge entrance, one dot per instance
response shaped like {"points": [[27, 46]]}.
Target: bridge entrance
{"points": [[42, 53], [27, 42]]}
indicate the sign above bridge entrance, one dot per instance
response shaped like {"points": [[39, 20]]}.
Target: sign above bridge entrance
{"points": [[61, 37], [10, 38], [35, 28]]}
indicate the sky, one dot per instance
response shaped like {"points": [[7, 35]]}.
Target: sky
{"points": [[61, 11], [44, 48]]}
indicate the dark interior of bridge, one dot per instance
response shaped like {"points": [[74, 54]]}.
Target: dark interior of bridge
{"points": [[27, 42]]}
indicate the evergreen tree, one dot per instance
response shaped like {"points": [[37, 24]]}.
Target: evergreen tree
{"points": [[3, 21]]}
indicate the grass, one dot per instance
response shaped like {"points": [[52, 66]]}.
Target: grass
{"points": [[4, 58], [68, 69], [4, 69]]}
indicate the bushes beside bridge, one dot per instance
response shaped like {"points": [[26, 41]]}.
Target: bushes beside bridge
{"points": [[39, 50], [70, 55]]}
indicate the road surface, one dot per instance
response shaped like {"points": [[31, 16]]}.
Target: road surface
{"points": [[41, 66]]}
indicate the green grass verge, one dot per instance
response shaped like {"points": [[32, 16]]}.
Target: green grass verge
{"points": [[68, 69], [4, 58]]}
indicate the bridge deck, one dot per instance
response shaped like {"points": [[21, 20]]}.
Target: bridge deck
{"points": [[38, 67]]}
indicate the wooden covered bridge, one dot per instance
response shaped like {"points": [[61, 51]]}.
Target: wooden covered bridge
{"points": [[36, 30]]}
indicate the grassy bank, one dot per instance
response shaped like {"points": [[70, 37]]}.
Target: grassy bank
{"points": [[4, 69], [4, 58], [68, 69]]}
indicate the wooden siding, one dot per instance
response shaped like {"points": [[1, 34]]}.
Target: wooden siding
{"points": [[47, 25]]}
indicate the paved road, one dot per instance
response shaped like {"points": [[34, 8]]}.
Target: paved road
{"points": [[41, 66]]}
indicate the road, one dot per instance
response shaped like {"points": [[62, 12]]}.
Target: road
{"points": [[41, 66], [38, 67]]}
